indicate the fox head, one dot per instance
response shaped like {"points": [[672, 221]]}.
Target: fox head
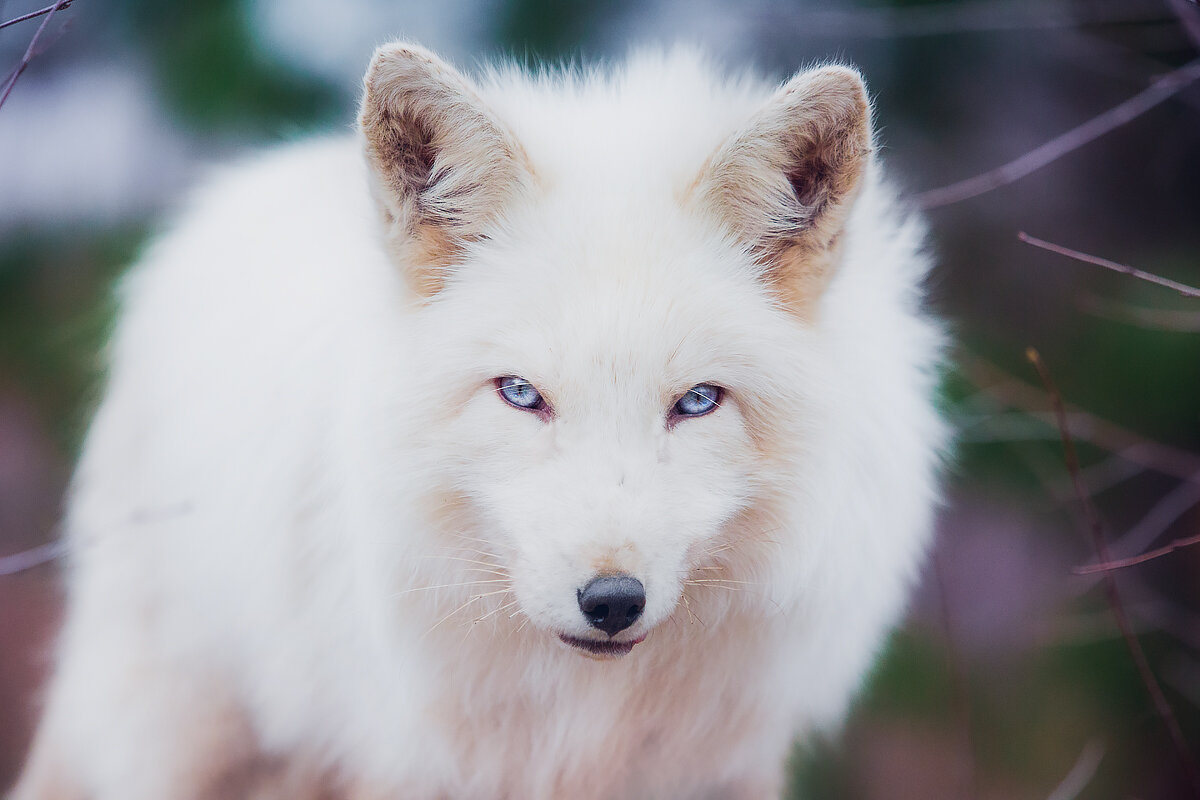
{"points": [[615, 341]]}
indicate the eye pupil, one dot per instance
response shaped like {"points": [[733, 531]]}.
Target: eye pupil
{"points": [[698, 401], [520, 393]]}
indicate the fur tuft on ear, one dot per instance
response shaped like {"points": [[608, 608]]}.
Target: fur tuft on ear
{"points": [[784, 184], [443, 167]]}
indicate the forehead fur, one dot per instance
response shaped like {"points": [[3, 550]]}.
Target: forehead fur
{"points": [[652, 120], [588, 308]]}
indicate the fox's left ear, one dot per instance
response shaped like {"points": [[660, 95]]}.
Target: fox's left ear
{"points": [[784, 184]]}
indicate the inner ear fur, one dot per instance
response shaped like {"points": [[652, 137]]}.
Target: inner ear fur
{"points": [[784, 184], [443, 167]]}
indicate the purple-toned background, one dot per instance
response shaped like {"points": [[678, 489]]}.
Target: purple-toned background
{"points": [[1010, 679]]}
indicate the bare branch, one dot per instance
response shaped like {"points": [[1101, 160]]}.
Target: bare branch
{"points": [[38, 13], [1081, 774], [938, 19], [32, 49], [34, 556], [1158, 456], [960, 691], [1120, 61], [1158, 91], [1121, 563], [1189, 17], [1112, 593], [1159, 319], [1182, 288], [1161, 516]]}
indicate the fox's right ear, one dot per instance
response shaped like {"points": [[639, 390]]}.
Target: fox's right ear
{"points": [[443, 167]]}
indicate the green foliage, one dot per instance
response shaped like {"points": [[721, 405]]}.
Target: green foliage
{"points": [[549, 29], [1138, 377], [818, 769], [215, 75], [911, 679], [55, 312]]}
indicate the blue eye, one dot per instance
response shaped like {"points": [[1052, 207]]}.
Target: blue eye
{"points": [[698, 400], [520, 393]]}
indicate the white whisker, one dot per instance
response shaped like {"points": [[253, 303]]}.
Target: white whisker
{"points": [[688, 606], [497, 610], [467, 560], [449, 586], [504, 575], [451, 614]]}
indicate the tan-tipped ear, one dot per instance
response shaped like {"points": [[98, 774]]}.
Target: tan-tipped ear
{"points": [[443, 166], [785, 182]]}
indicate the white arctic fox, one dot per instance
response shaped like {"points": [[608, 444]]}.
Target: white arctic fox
{"points": [[576, 442]]}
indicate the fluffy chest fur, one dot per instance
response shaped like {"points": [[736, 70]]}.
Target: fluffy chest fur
{"points": [[649, 727]]}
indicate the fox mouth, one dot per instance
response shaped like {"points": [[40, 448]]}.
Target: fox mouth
{"points": [[601, 650]]}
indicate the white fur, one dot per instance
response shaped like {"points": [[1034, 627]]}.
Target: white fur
{"points": [[294, 449]]}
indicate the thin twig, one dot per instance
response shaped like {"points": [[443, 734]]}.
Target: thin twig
{"points": [[33, 557], [1121, 563], [1110, 585], [1161, 516], [1158, 456], [1081, 773], [1182, 288], [1155, 319], [32, 49], [38, 13], [1110, 60], [960, 691], [1189, 17], [939, 19], [1158, 91]]}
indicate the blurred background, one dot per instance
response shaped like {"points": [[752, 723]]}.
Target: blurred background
{"points": [[1011, 678]]}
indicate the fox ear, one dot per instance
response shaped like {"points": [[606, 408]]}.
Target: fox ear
{"points": [[784, 184], [443, 167]]}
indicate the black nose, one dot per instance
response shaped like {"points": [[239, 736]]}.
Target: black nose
{"points": [[613, 603]]}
